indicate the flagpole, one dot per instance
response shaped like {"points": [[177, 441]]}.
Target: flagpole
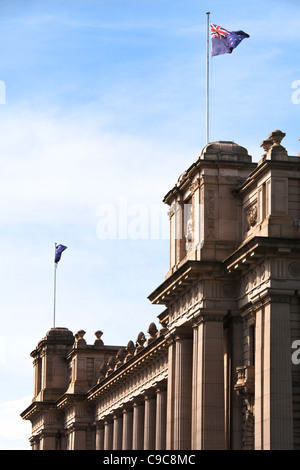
{"points": [[54, 296], [207, 79]]}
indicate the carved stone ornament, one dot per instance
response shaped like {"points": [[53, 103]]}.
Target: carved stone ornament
{"points": [[98, 341], [266, 144], [152, 331], [245, 388], [120, 357], [111, 365], [140, 341], [79, 340], [251, 217], [276, 137], [294, 269], [130, 348]]}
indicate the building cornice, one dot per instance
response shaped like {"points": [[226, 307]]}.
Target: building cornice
{"points": [[37, 407], [157, 348], [183, 277], [256, 248], [292, 164]]}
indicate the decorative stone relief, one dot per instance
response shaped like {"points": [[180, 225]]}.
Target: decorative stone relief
{"points": [[245, 388], [262, 272], [189, 229], [210, 214], [228, 291], [294, 269], [251, 217]]}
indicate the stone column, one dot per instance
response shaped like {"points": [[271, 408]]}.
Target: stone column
{"points": [[47, 441], [208, 384], [183, 389], [170, 395], [233, 358], [77, 436], [100, 435], [150, 421], [273, 385], [117, 431], [161, 413], [127, 429], [108, 434], [37, 377], [138, 426]]}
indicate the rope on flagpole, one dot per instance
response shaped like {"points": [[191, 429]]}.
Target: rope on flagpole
{"points": [[207, 79], [54, 293]]}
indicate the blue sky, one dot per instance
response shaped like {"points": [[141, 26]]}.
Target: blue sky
{"points": [[104, 109]]}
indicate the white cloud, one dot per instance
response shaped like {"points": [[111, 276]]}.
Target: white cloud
{"points": [[14, 431], [53, 167]]}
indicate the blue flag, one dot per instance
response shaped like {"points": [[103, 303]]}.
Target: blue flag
{"points": [[223, 41], [58, 251]]}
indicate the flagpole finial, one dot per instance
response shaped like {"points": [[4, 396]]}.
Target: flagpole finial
{"points": [[208, 12]]}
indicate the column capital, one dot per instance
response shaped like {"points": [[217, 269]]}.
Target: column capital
{"points": [[127, 408], [149, 394], [210, 316], [138, 401], [117, 414], [161, 386], [181, 332], [99, 424], [108, 419]]}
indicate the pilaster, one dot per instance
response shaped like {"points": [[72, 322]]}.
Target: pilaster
{"points": [[208, 431], [273, 384], [161, 407], [117, 431], [138, 426], [150, 421], [183, 389], [127, 429]]}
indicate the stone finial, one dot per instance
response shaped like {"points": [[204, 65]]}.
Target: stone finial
{"points": [[98, 341], [152, 331], [102, 372], [79, 340], [266, 145], [163, 330], [276, 137], [120, 357], [140, 341], [111, 365], [277, 151], [130, 348]]}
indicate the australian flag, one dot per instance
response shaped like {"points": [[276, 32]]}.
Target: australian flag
{"points": [[223, 41], [58, 251]]}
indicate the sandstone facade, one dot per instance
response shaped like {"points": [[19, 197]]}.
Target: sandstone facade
{"points": [[218, 371]]}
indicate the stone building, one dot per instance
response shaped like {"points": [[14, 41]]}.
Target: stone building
{"points": [[217, 372]]}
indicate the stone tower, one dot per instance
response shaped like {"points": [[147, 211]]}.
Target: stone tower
{"points": [[219, 371]]}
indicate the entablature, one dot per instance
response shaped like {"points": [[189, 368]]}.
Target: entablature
{"points": [[147, 355], [183, 278], [256, 249]]}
